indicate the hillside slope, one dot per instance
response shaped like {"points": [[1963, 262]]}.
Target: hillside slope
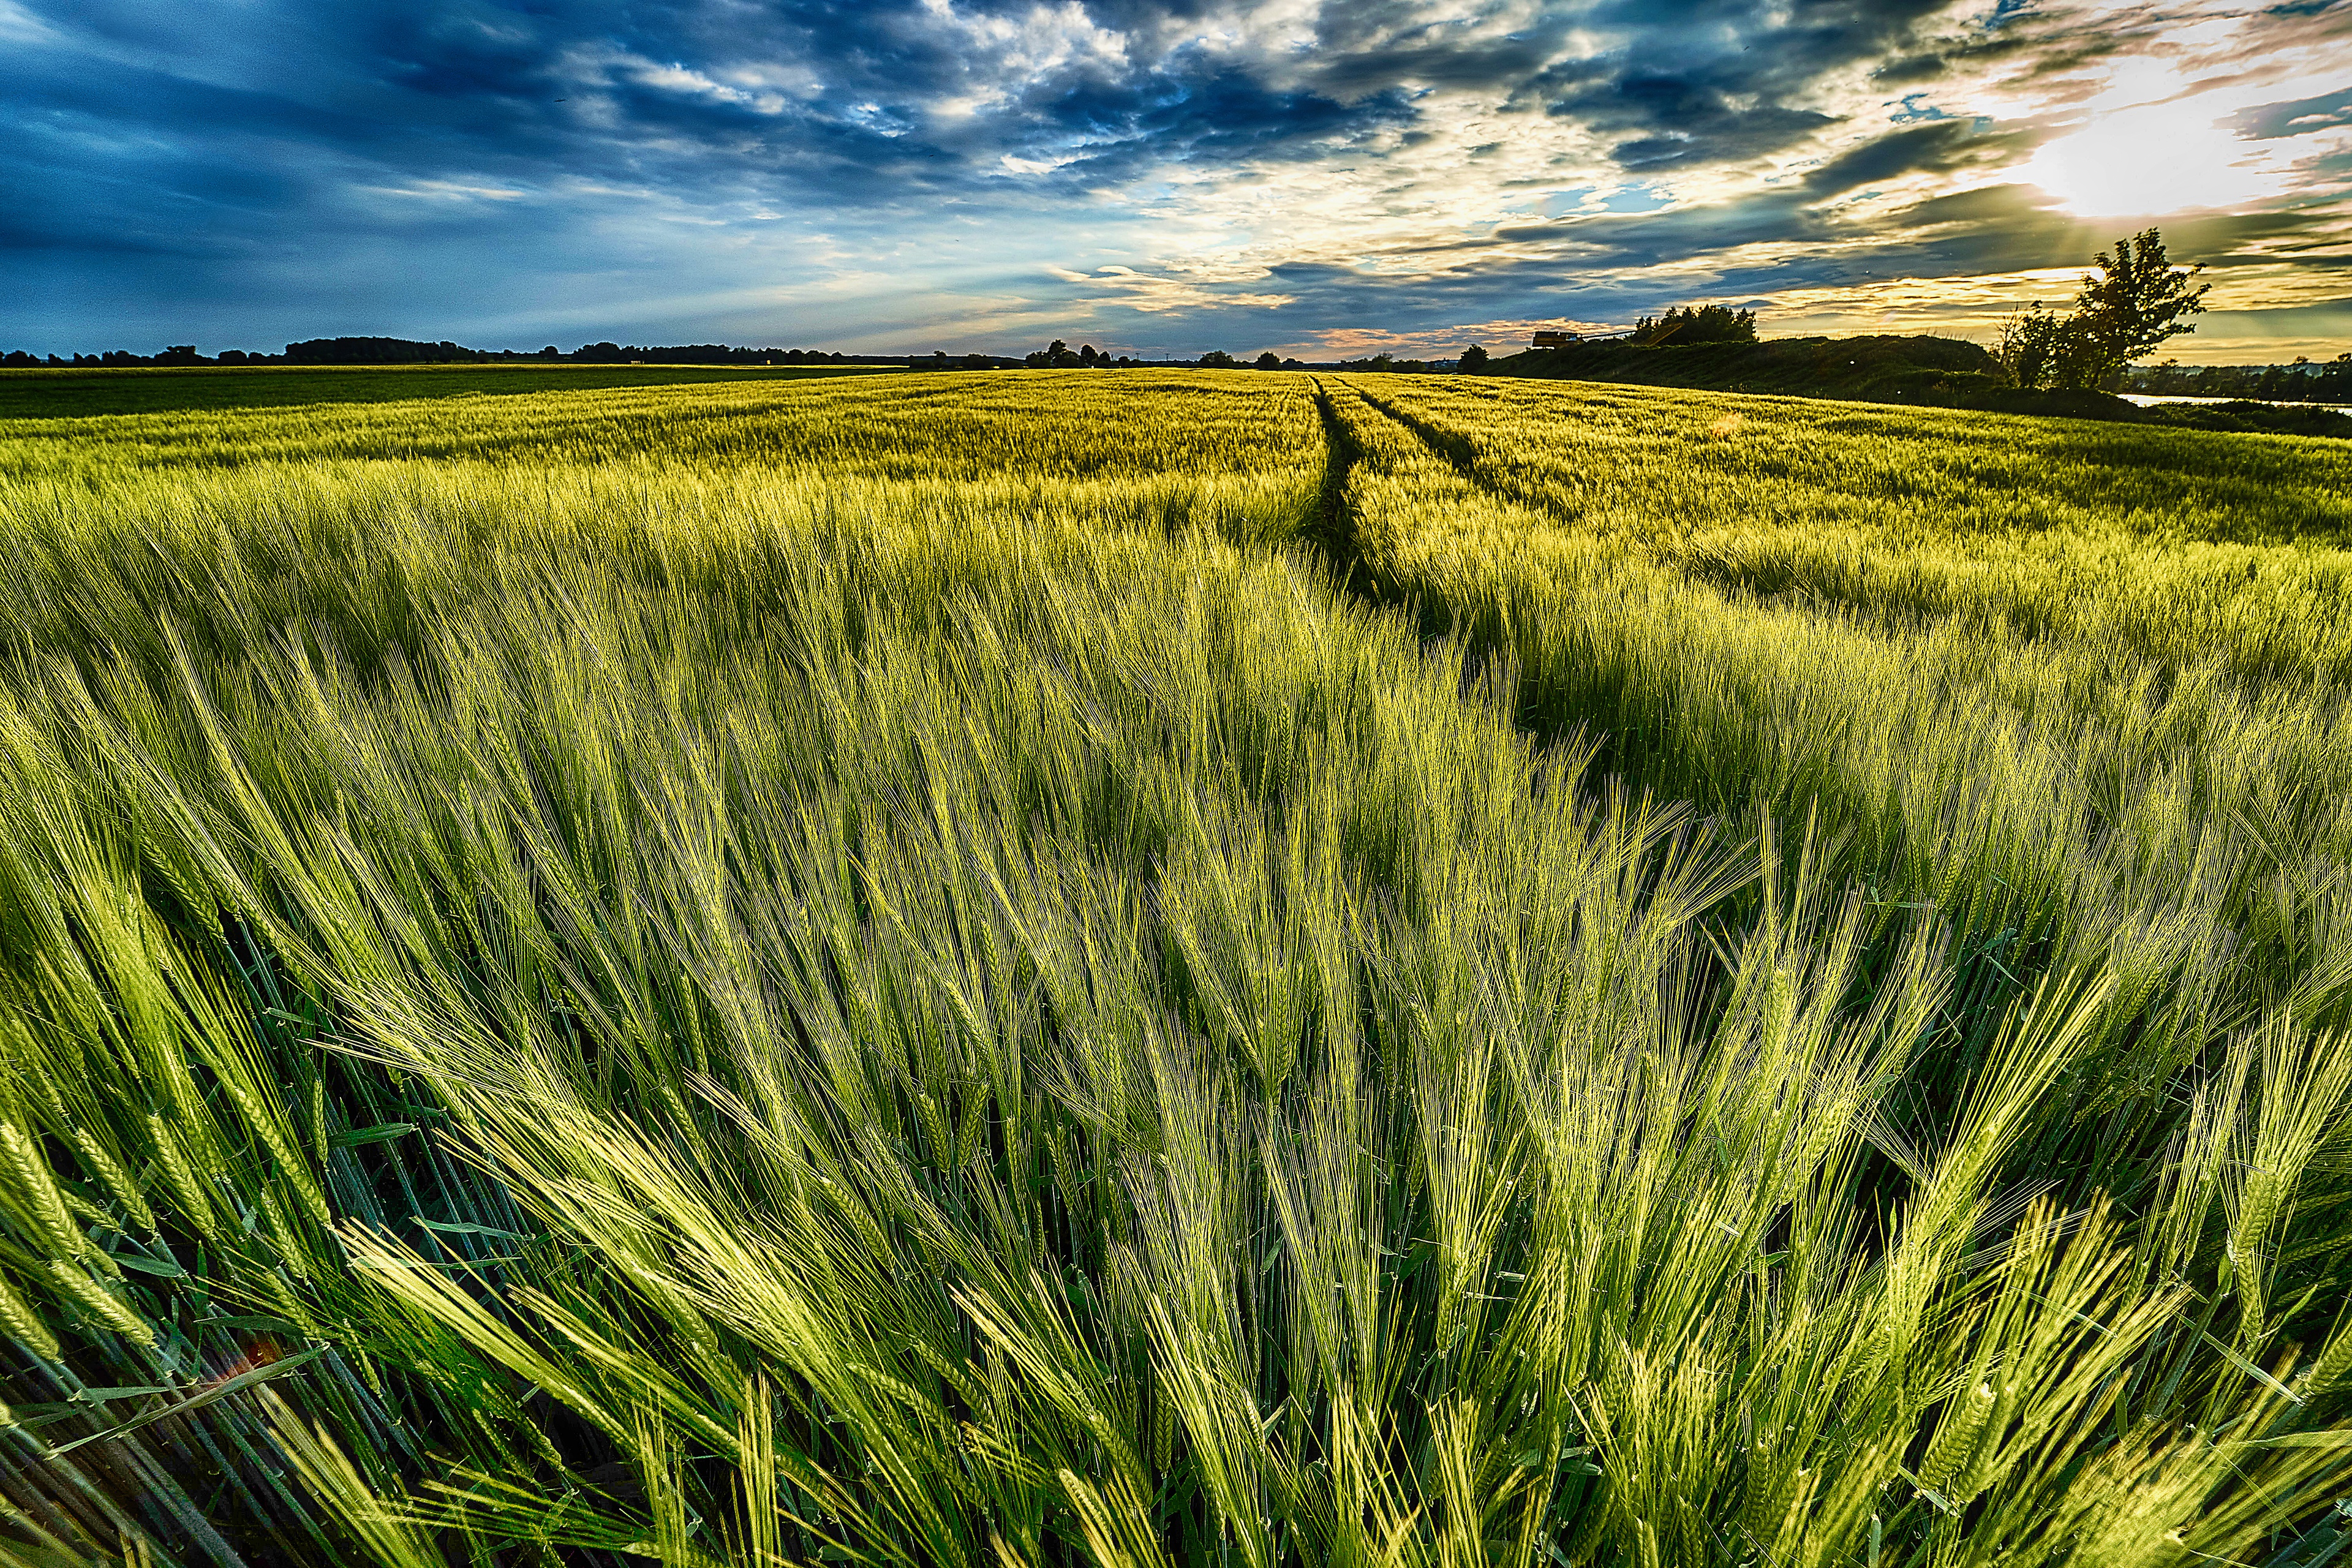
{"points": [[1872, 369], [1928, 372]]}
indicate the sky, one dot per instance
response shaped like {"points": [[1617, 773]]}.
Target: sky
{"points": [[1325, 178]]}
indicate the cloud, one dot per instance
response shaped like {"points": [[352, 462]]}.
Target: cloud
{"points": [[2298, 118], [1938, 147], [1155, 295], [1160, 174], [450, 191]]}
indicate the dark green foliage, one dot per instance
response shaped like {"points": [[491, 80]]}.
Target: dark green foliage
{"points": [[2137, 300], [2040, 350], [2300, 381], [1919, 372], [2134, 301], [378, 351], [2260, 418], [1823, 367], [1693, 326]]}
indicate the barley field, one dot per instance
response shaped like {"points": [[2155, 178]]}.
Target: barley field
{"points": [[80, 392], [1230, 969]]}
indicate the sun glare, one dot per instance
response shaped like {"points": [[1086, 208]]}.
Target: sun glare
{"points": [[2153, 160]]}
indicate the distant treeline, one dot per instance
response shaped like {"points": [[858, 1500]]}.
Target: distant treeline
{"points": [[2301, 381], [404, 351], [1056, 355], [1388, 364]]}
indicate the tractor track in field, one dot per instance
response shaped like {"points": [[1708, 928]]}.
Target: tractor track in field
{"points": [[1986, 973], [1333, 531], [1336, 535], [1456, 449]]}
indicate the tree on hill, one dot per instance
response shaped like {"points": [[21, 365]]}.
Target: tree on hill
{"points": [[1695, 324], [1473, 361], [2334, 382], [2136, 301], [2031, 346], [1269, 360], [385, 351]]}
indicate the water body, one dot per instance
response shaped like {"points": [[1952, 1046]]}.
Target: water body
{"points": [[2144, 399]]}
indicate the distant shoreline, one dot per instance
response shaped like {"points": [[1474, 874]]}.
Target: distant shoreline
{"points": [[2148, 399]]}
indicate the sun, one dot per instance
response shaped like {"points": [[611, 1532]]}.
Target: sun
{"points": [[2151, 161]]}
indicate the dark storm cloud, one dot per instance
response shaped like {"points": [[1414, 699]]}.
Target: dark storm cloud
{"points": [[672, 92], [1721, 79], [1907, 72], [2295, 118], [1942, 147], [499, 158], [2009, 223], [1648, 239], [851, 113], [837, 101], [1607, 268]]}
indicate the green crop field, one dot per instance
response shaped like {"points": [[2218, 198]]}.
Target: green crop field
{"points": [[1173, 968], [75, 394]]}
